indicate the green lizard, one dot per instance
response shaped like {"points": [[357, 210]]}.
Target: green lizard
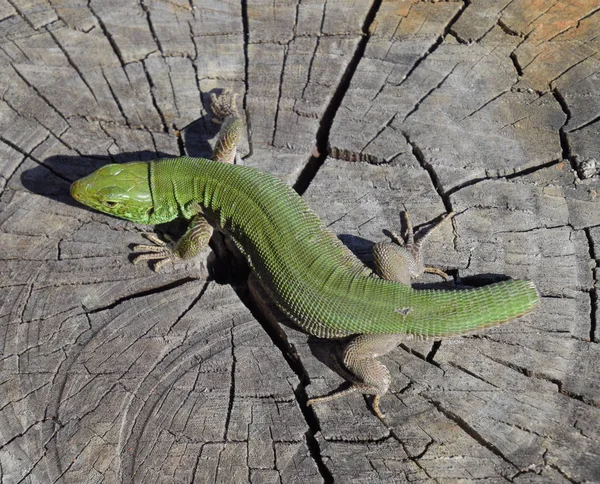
{"points": [[309, 274]]}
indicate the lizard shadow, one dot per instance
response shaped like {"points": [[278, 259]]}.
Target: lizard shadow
{"points": [[53, 176]]}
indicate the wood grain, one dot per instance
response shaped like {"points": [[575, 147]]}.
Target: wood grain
{"points": [[112, 373]]}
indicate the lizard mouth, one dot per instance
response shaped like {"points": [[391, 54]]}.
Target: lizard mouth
{"points": [[76, 190]]}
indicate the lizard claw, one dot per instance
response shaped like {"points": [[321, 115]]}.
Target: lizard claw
{"points": [[161, 252], [223, 106], [375, 407], [356, 387]]}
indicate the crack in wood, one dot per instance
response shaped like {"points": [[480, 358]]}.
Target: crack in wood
{"points": [[109, 37], [472, 432], [435, 181], [38, 92], [321, 150], [150, 25], [593, 292], [231, 399], [429, 93], [72, 64], [115, 98], [154, 100], [563, 136]]}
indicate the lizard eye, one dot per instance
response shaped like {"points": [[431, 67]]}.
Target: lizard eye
{"points": [[110, 204]]}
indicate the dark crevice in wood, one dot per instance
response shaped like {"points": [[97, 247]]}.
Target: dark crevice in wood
{"points": [[434, 349], [487, 103], [156, 150], [154, 101], [115, 98], [574, 396], [507, 30], [180, 142], [586, 124], [151, 26], [286, 48], [114, 142], [172, 89], [563, 474], [320, 152], [16, 44], [72, 64], [274, 331], [571, 67], [191, 305], [429, 93], [21, 14], [268, 321], [564, 140], [259, 305], [30, 156], [314, 54], [481, 37], [21, 434], [437, 185], [471, 432], [197, 463], [137, 295], [413, 458], [356, 157], [421, 356], [109, 37], [381, 130], [231, 386], [7, 176], [246, 30], [439, 40], [311, 442], [593, 291], [470, 373], [533, 169], [515, 61], [29, 116], [279, 94], [517, 174], [37, 91], [539, 376]]}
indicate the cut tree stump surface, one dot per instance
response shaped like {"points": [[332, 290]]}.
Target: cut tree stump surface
{"points": [[112, 373]]}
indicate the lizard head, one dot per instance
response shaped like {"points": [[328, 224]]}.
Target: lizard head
{"points": [[122, 190]]}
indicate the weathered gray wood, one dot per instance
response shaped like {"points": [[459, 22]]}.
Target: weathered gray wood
{"points": [[111, 373]]}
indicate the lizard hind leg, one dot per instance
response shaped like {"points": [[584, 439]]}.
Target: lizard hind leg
{"points": [[401, 260], [360, 357]]}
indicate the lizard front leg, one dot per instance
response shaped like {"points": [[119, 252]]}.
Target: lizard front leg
{"points": [[232, 127], [189, 245], [199, 230]]}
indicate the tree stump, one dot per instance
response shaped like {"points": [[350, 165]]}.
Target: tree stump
{"points": [[112, 373]]}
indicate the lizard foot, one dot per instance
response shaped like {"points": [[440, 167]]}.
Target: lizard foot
{"points": [[400, 260], [224, 106], [161, 252]]}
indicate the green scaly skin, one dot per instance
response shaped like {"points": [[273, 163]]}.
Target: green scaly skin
{"points": [[309, 273]]}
